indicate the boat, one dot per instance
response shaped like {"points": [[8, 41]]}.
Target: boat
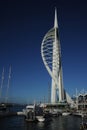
{"points": [[78, 113], [34, 113], [66, 113], [29, 113], [3, 107], [54, 113]]}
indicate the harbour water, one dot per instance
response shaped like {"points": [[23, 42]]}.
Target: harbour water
{"points": [[58, 123]]}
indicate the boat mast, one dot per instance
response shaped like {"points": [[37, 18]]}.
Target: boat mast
{"points": [[2, 79], [8, 84]]}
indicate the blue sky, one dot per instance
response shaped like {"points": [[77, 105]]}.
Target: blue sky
{"points": [[23, 25]]}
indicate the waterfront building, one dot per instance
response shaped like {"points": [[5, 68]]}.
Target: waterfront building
{"points": [[81, 100], [51, 56]]}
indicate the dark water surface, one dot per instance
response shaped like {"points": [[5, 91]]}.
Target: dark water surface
{"points": [[57, 123]]}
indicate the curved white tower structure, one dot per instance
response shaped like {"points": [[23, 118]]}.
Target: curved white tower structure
{"points": [[51, 55]]}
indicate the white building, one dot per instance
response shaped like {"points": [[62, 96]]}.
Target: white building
{"points": [[51, 56]]}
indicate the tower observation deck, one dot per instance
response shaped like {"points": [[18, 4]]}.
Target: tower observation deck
{"points": [[51, 56]]}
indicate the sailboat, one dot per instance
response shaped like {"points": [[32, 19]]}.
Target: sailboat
{"points": [[2, 79], [2, 105], [8, 84]]}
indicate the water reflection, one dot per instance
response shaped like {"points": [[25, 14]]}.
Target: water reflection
{"points": [[41, 125], [58, 123]]}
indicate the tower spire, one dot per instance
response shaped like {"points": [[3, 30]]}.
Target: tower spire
{"points": [[55, 19]]}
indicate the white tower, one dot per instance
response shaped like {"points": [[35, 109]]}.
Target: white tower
{"points": [[51, 55], [56, 65]]}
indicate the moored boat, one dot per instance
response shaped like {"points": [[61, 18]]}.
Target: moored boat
{"points": [[34, 113], [54, 113], [29, 113], [66, 113], [3, 107]]}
